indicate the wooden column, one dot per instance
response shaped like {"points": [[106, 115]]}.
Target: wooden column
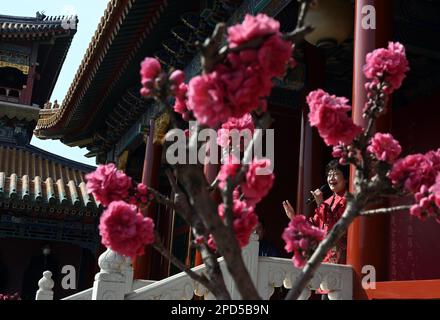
{"points": [[26, 94], [143, 264], [311, 157], [368, 237]]}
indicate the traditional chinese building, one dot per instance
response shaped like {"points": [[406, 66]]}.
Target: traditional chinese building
{"points": [[104, 113], [47, 219]]}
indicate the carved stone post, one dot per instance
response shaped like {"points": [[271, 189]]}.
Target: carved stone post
{"points": [[127, 271], [250, 257], [45, 286], [111, 283]]}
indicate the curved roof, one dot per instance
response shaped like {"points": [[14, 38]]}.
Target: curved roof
{"points": [[36, 180], [38, 27], [53, 36], [97, 61]]}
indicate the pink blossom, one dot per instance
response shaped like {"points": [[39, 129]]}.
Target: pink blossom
{"points": [[180, 106], [211, 243], [301, 238], [340, 151], [427, 202], [240, 84], [244, 222], [228, 169], [142, 188], [435, 190], [177, 77], [274, 55], [257, 185], [385, 148], [240, 124], [329, 114], [251, 28], [179, 90], [124, 230], [108, 184], [417, 212], [434, 158], [150, 69], [414, 171], [7, 297], [206, 99], [388, 64], [244, 85]]}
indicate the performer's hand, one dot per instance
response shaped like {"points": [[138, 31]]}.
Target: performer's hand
{"points": [[317, 194], [290, 212]]}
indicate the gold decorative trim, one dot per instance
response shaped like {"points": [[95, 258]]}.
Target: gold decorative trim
{"points": [[23, 68], [161, 125]]}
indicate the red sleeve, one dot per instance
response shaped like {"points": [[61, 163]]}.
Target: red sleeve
{"points": [[320, 215]]}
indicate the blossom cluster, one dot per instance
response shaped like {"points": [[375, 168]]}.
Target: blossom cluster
{"points": [[385, 70], [125, 230], [416, 170], [122, 227], [244, 221], [243, 126], [385, 148], [241, 84], [254, 188], [301, 238], [388, 65], [154, 82], [329, 114], [237, 85], [419, 174]]}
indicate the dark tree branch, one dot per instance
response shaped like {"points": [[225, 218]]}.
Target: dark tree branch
{"points": [[197, 189], [160, 198], [158, 245], [228, 204], [199, 230], [374, 212]]}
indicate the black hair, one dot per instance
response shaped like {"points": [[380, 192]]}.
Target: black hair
{"points": [[335, 165]]}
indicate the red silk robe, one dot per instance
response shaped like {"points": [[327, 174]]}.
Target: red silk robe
{"points": [[326, 216]]}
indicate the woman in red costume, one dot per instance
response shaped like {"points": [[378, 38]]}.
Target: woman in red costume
{"points": [[329, 211]]}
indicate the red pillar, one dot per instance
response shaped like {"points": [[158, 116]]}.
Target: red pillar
{"points": [[143, 265], [368, 237], [26, 94]]}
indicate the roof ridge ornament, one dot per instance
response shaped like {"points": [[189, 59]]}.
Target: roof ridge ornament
{"points": [[40, 16], [69, 22]]}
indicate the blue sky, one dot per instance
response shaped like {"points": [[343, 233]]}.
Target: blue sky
{"points": [[89, 13]]}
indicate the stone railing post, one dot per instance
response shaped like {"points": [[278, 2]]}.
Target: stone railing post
{"points": [[128, 272], [111, 282], [45, 286], [250, 257]]}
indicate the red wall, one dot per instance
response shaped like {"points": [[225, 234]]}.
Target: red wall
{"points": [[415, 245], [287, 130]]}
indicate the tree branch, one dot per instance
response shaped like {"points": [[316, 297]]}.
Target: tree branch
{"points": [[160, 198], [214, 184], [158, 245], [199, 230], [228, 204], [374, 212]]}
